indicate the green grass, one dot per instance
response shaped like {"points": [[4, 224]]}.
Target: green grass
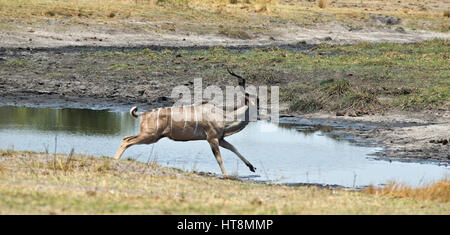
{"points": [[326, 77], [427, 97], [16, 63], [37, 183], [363, 77], [336, 95]]}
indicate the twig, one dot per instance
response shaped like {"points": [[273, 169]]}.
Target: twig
{"points": [[56, 143], [69, 159]]}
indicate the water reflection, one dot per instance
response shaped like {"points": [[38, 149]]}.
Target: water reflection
{"points": [[72, 120]]}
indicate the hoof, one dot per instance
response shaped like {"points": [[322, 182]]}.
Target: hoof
{"points": [[252, 169]]}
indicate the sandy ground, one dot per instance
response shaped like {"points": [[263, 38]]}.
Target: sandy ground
{"points": [[56, 33]]}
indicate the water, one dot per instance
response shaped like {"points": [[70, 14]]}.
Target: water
{"points": [[284, 153]]}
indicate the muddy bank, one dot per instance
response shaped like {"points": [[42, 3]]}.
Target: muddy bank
{"points": [[84, 77], [55, 77], [405, 136]]}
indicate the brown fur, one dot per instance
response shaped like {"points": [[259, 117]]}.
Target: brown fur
{"points": [[196, 122], [185, 125]]}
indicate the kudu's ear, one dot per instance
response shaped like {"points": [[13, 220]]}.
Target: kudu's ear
{"points": [[241, 79]]}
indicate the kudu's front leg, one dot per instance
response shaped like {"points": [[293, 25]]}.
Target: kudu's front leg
{"points": [[230, 147], [214, 143]]}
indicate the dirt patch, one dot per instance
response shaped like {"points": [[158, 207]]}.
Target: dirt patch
{"points": [[61, 34], [239, 34], [384, 19]]}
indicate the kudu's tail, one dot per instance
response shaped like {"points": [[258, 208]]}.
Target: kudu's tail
{"points": [[133, 112]]}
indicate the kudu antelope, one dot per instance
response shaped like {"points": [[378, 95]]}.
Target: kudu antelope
{"points": [[182, 124]]}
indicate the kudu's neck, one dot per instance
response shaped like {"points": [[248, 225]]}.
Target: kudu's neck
{"points": [[241, 114]]}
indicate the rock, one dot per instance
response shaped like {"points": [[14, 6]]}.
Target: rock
{"points": [[393, 21], [440, 141], [400, 30], [384, 19], [162, 98], [351, 114], [352, 28], [340, 113]]}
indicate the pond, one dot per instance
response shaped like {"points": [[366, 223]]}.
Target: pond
{"points": [[282, 153]]}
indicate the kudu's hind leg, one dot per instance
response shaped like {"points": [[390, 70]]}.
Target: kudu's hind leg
{"points": [[214, 143], [230, 147], [132, 140]]}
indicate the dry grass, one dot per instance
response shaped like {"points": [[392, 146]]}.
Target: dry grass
{"points": [[37, 183], [439, 191], [322, 3], [239, 34], [447, 13], [338, 95], [231, 12], [263, 6]]}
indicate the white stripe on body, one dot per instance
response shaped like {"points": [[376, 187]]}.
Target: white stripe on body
{"points": [[196, 121], [157, 120]]}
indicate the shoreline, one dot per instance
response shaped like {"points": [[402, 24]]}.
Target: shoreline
{"points": [[96, 185]]}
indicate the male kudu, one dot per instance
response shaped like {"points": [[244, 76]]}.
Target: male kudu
{"points": [[183, 124]]}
